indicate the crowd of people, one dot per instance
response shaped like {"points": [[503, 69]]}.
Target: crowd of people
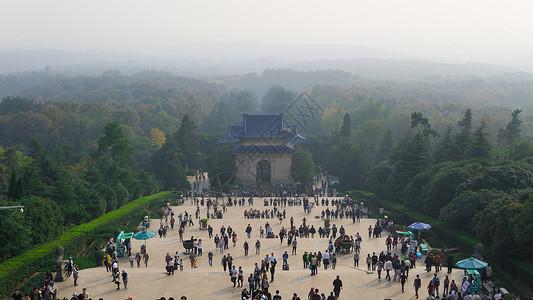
{"points": [[393, 263]]}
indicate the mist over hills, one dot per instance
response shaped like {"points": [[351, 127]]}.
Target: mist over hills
{"points": [[220, 59]]}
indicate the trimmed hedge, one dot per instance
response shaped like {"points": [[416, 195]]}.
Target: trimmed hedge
{"points": [[16, 269]]}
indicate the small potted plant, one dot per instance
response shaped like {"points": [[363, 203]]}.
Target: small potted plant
{"points": [[203, 223]]}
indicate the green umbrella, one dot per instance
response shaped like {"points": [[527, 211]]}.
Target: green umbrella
{"points": [[471, 264], [144, 235]]}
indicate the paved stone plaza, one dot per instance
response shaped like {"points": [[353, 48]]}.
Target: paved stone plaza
{"points": [[207, 282]]}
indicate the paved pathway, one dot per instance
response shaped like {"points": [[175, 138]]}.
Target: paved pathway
{"points": [[207, 282]]}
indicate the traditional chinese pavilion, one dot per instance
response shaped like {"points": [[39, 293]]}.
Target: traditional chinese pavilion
{"points": [[263, 147]]}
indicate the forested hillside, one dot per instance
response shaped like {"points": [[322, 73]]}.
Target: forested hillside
{"points": [[458, 149]]}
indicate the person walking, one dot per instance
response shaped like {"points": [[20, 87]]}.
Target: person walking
{"points": [[446, 286], [210, 258], [436, 283], [276, 296], [450, 261], [388, 268], [116, 275], [125, 278], [294, 244], [138, 259], [75, 274], [285, 257], [314, 263], [403, 279], [337, 286], [245, 246], [417, 283], [380, 266], [240, 277], [200, 247], [107, 262], [146, 258], [233, 274], [224, 263], [356, 260], [249, 231], [258, 247], [272, 269], [266, 284], [131, 258], [251, 282]]}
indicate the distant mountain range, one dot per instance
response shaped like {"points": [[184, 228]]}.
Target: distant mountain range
{"points": [[208, 60]]}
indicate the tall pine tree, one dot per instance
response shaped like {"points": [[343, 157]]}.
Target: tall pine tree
{"points": [[480, 146], [464, 137], [346, 129], [446, 149], [512, 133]]}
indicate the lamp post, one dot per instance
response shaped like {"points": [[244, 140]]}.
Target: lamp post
{"points": [[10, 207]]}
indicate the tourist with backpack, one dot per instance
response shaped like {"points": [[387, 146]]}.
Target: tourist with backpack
{"points": [[436, 283]]}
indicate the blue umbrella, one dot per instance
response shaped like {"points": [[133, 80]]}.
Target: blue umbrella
{"points": [[419, 226], [144, 235], [471, 264]]}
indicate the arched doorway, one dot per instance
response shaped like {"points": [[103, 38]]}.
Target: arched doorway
{"points": [[263, 171]]}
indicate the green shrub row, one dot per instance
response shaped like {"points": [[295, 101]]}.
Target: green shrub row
{"points": [[15, 270]]}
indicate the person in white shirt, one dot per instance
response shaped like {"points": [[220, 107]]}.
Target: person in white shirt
{"points": [[272, 258], [388, 267], [233, 274], [131, 259], [325, 259], [200, 247]]}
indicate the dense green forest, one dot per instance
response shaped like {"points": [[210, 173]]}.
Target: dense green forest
{"points": [[457, 149]]}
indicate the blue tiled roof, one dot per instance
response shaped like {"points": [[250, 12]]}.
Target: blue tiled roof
{"points": [[262, 126]]}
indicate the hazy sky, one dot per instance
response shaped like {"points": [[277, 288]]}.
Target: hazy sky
{"points": [[484, 30]]}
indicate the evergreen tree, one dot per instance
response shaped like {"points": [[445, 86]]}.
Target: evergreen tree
{"points": [[512, 133], [186, 144], [221, 167], [14, 233], [167, 165], [480, 146], [446, 149], [417, 118], [464, 137], [411, 158], [355, 168], [12, 190], [303, 169], [385, 146], [177, 152], [114, 144], [277, 100], [20, 189], [346, 128], [218, 118]]}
